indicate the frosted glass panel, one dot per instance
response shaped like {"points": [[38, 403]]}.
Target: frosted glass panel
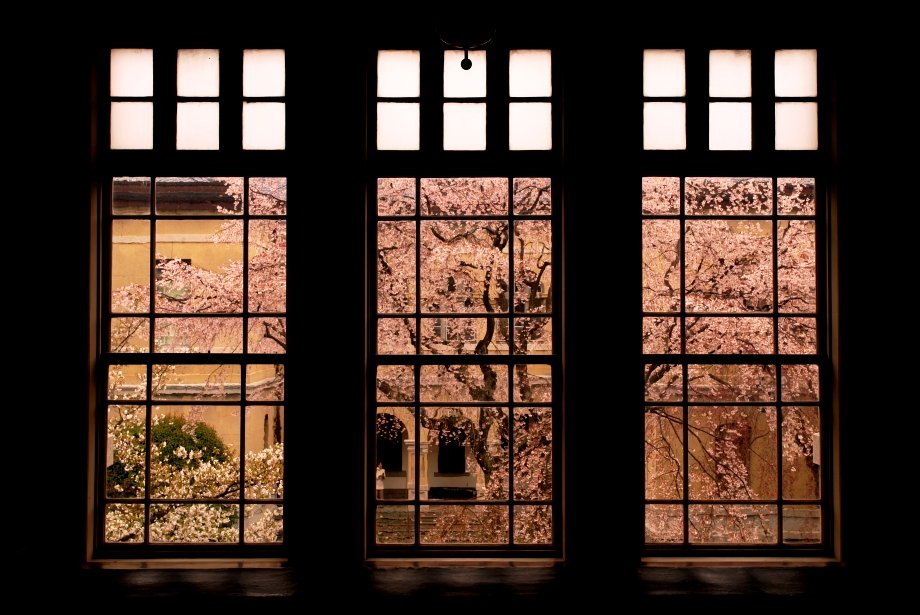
{"points": [[263, 73], [132, 125], [663, 73], [530, 126], [132, 72], [665, 126], [263, 125], [464, 126], [397, 75], [459, 83], [729, 72], [530, 72], [198, 72], [397, 126], [730, 126], [796, 72], [198, 125], [797, 125]]}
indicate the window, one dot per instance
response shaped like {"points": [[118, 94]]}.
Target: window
{"points": [[734, 342]]}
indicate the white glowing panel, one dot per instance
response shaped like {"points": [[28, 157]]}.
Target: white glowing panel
{"points": [[459, 83], [796, 72], [663, 72], [198, 125], [263, 72], [132, 125], [530, 126], [398, 74], [263, 125], [464, 126], [664, 126], [797, 125], [198, 72], [729, 73], [397, 126], [730, 126], [530, 72], [131, 72]]}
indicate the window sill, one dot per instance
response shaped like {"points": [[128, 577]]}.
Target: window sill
{"points": [[185, 564]]}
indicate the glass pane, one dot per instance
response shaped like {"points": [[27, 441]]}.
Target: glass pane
{"points": [[664, 453], [729, 126], [398, 74], [268, 335], [397, 126], [263, 72], [798, 336], [661, 195], [532, 335], [533, 196], [394, 454], [533, 383], [263, 523], [130, 335], [801, 524], [395, 267], [127, 382], [796, 125], [660, 335], [732, 453], [459, 83], [267, 196], [464, 336], [731, 382], [468, 453], [732, 524], [198, 72], [729, 265], [464, 126], [264, 452], [265, 382], [796, 266], [199, 196], [801, 453], [530, 126], [533, 271], [130, 266], [533, 525], [663, 382], [198, 267], [729, 72], [465, 196], [663, 72], [466, 524], [132, 125], [130, 196], [714, 335], [447, 383], [395, 383], [464, 265], [196, 382], [267, 265], [664, 126], [396, 196], [729, 196], [530, 72], [394, 525], [795, 196], [194, 523], [198, 125], [125, 452], [661, 265], [796, 72], [800, 382], [195, 452], [263, 126], [664, 523], [533, 454], [396, 336], [124, 523], [131, 72]]}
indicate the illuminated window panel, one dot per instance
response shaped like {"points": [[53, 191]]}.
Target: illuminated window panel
{"points": [[131, 72], [663, 73], [729, 126], [198, 72], [665, 125], [397, 126]]}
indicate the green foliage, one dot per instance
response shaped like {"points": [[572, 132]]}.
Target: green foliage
{"points": [[175, 433]]}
